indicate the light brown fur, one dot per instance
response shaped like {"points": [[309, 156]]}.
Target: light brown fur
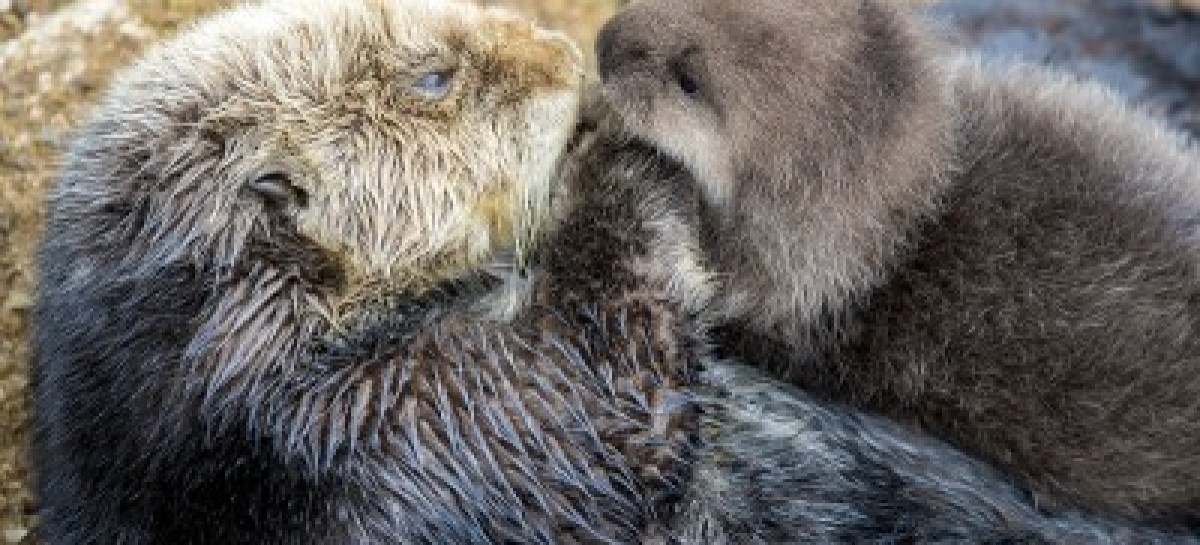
{"points": [[1002, 257], [350, 133]]}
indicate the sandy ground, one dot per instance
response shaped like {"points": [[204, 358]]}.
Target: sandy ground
{"points": [[55, 57]]}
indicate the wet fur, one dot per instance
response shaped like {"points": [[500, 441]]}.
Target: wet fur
{"points": [[1000, 256], [194, 335]]}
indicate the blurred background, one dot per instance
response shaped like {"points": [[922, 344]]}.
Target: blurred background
{"points": [[57, 55]]}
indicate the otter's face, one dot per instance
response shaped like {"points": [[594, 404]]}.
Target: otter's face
{"points": [[405, 141], [715, 83]]}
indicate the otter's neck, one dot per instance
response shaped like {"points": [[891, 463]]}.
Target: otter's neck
{"points": [[816, 229]]}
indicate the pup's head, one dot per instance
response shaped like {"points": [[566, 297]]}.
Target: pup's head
{"points": [[733, 89], [398, 142]]}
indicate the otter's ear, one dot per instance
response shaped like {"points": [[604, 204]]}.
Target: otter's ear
{"points": [[278, 192]]}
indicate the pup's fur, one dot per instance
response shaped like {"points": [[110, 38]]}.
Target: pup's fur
{"points": [[1002, 257], [774, 465]]}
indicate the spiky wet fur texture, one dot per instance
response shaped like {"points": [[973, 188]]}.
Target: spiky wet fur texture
{"points": [[1000, 256], [226, 228]]}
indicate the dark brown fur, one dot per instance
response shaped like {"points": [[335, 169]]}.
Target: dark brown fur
{"points": [[1000, 257]]}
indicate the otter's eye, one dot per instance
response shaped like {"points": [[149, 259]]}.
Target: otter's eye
{"points": [[434, 84], [277, 191], [686, 82]]}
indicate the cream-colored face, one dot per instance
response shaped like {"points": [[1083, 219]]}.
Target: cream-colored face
{"points": [[410, 139]]}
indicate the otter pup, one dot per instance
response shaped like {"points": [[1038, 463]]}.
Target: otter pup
{"points": [[771, 464], [1003, 258]]}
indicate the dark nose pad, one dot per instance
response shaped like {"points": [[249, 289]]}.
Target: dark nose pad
{"points": [[615, 47]]}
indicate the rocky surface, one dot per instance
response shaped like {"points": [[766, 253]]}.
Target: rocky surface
{"points": [[55, 56], [1150, 52]]}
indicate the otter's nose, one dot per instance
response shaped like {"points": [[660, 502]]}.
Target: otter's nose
{"points": [[617, 46]]}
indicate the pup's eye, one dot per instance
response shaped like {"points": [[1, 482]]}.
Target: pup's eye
{"points": [[685, 81], [434, 84], [277, 191]]}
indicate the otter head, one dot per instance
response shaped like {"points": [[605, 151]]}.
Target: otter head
{"points": [[817, 130], [762, 89], [301, 162], [360, 142]]}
